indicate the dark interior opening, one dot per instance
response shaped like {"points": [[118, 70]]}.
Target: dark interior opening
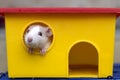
{"points": [[83, 60]]}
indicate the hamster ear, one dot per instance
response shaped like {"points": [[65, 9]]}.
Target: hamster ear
{"points": [[48, 32]]}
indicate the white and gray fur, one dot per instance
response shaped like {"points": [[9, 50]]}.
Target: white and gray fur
{"points": [[37, 36]]}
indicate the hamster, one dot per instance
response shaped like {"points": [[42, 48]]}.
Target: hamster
{"points": [[37, 36]]}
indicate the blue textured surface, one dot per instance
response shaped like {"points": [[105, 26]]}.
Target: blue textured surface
{"points": [[116, 76]]}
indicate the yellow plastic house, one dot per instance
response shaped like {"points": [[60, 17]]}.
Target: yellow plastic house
{"points": [[82, 46]]}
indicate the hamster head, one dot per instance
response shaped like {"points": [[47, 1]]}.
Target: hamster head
{"points": [[37, 36]]}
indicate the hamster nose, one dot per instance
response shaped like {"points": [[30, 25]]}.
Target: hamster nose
{"points": [[30, 39]]}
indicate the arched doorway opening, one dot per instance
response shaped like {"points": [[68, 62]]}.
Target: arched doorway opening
{"points": [[83, 60]]}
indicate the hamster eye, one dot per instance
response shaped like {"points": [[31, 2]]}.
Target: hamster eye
{"points": [[27, 31], [40, 34]]}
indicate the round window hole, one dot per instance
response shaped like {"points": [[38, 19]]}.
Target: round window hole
{"points": [[38, 36]]}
